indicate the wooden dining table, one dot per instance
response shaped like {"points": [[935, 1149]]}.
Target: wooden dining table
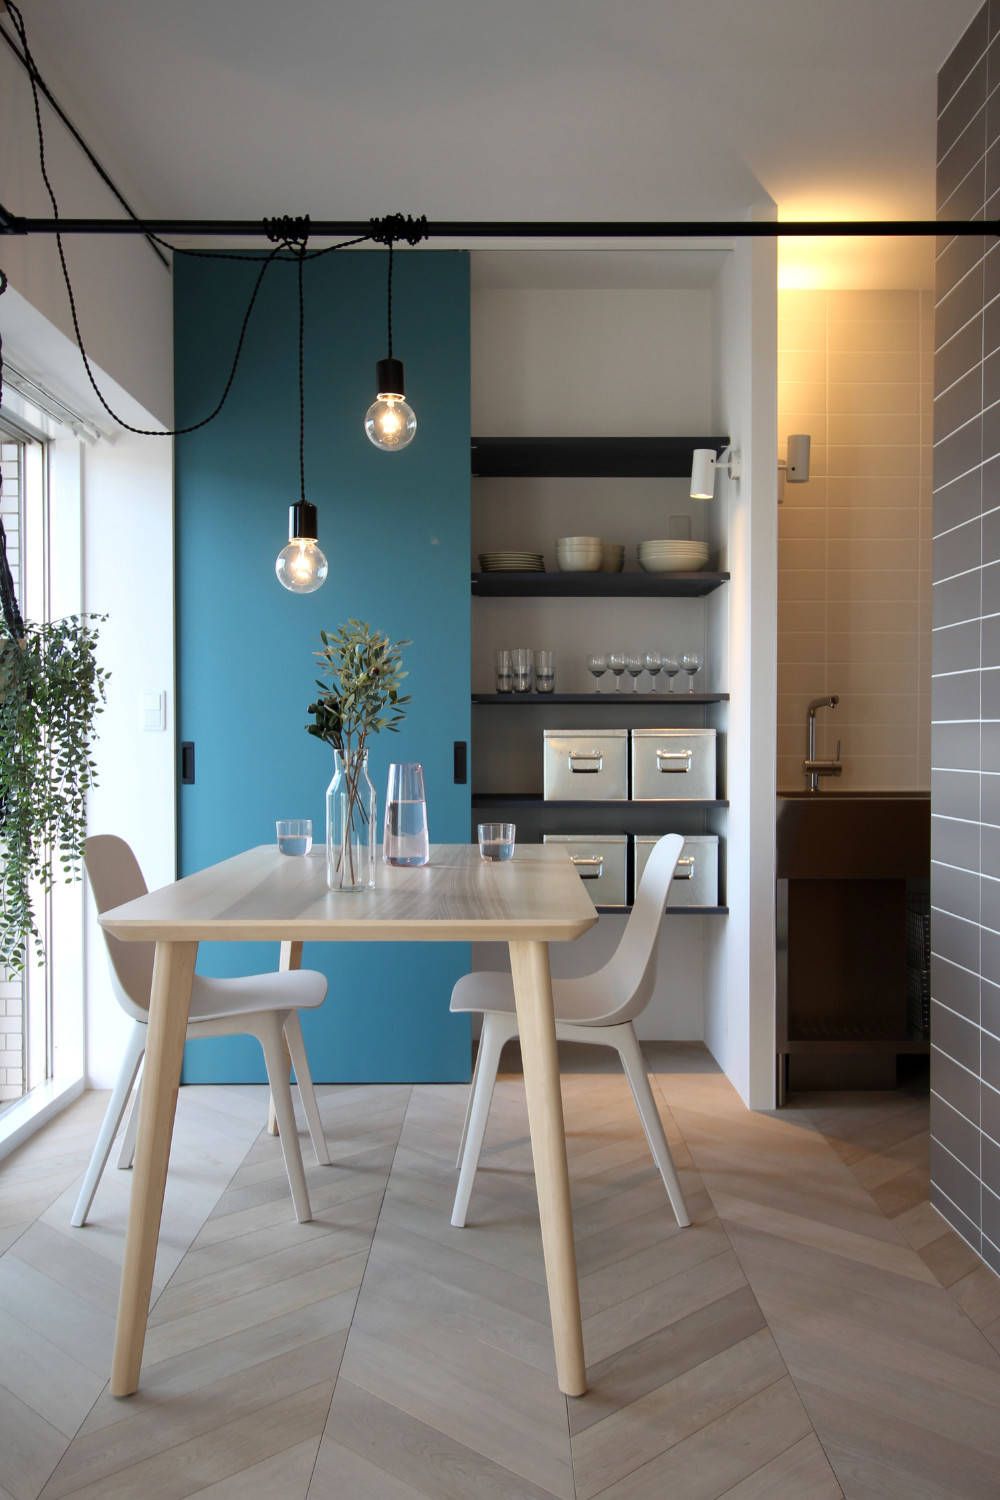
{"points": [[533, 900]]}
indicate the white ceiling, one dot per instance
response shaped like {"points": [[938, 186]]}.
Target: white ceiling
{"points": [[517, 109]]}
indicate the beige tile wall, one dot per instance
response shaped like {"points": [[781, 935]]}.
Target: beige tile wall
{"points": [[854, 578]]}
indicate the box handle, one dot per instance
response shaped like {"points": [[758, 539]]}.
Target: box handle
{"points": [[589, 866], [591, 761], [672, 757], [688, 872]]}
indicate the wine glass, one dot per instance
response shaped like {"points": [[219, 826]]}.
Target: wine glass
{"points": [[671, 666], [597, 666], [691, 663], [653, 663], [616, 666], [635, 668]]}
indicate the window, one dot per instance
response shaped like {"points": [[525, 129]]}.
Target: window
{"points": [[41, 1011], [13, 1017]]}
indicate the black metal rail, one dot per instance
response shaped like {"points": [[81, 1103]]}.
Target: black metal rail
{"points": [[480, 229]]}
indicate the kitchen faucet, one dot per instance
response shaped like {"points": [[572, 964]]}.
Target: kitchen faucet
{"points": [[814, 768]]}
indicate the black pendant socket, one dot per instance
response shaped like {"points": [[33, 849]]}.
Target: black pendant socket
{"points": [[302, 520], [389, 378]]}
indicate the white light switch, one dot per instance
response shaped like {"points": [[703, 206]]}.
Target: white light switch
{"points": [[154, 712]]}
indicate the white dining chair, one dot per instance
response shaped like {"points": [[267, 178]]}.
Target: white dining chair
{"points": [[265, 1006], [598, 1009]]}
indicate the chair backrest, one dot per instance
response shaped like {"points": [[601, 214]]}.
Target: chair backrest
{"points": [[622, 989], [115, 877]]}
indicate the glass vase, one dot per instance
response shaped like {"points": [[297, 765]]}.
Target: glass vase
{"points": [[351, 824]]}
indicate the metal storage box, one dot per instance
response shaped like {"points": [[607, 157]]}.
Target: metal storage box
{"points": [[599, 861], [586, 765], [696, 878], [671, 765]]}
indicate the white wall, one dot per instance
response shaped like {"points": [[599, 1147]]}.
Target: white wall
{"points": [[585, 362], [590, 362], [742, 628], [123, 291], [128, 575]]}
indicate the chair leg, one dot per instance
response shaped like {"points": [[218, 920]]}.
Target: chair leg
{"points": [[271, 1036], [630, 1053], [496, 1030], [300, 1062], [126, 1154], [471, 1094], [134, 1049]]}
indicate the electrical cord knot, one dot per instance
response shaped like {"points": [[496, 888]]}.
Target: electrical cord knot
{"points": [[398, 228], [288, 230]]}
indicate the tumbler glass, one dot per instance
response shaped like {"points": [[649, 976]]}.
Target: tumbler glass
{"points": [[404, 840], [505, 679], [496, 841], [545, 672], [524, 669], [295, 835]]}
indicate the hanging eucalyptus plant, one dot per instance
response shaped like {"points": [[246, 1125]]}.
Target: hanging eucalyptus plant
{"points": [[51, 691]]}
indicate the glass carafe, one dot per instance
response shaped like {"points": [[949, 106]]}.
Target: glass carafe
{"points": [[351, 824], [405, 838]]}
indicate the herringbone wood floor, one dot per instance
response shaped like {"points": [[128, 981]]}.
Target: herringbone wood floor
{"points": [[818, 1330]]}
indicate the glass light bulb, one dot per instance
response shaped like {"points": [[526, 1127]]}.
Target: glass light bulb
{"points": [[390, 422], [302, 566]]}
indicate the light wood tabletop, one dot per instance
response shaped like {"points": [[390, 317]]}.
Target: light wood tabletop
{"points": [[261, 895], [267, 896]]}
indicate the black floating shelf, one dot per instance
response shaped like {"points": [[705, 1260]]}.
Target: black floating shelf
{"points": [[590, 457], [536, 800], [605, 699], [670, 911], [596, 585]]}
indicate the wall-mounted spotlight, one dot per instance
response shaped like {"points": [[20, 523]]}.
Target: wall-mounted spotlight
{"points": [[795, 466], [704, 465]]}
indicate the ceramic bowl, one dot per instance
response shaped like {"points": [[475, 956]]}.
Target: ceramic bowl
{"points": [[579, 554]]}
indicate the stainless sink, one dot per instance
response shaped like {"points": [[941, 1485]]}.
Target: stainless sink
{"points": [[852, 835]]}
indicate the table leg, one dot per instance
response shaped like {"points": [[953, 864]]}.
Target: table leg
{"points": [[291, 958], [529, 964], [169, 1004]]}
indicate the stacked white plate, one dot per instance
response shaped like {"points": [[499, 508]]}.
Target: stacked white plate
{"points": [[512, 562], [673, 556]]}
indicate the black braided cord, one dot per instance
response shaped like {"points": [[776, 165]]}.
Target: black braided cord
{"points": [[389, 299], [302, 380], [291, 235], [8, 594]]}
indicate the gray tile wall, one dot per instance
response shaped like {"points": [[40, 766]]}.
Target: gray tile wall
{"points": [[965, 697]]}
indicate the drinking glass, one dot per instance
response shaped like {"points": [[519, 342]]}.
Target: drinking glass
{"points": [[616, 665], [653, 663], [545, 671], [505, 681], [404, 840], [597, 666], [295, 835], [635, 668], [496, 841], [524, 669], [671, 666], [691, 663]]}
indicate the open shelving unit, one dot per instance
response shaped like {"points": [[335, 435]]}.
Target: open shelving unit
{"points": [[606, 699], [594, 458], [597, 585], [587, 457]]}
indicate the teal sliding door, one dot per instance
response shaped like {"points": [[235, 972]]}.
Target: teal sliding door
{"points": [[395, 528]]}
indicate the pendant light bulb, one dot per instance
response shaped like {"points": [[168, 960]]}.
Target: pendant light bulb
{"points": [[390, 421], [301, 567]]}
